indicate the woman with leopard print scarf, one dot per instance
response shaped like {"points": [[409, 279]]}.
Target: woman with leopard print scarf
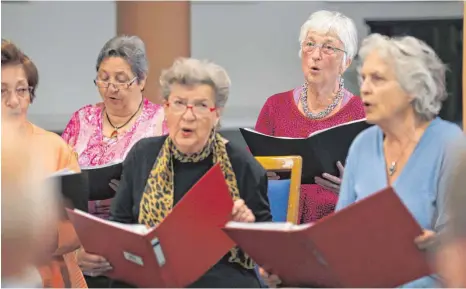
{"points": [[158, 171]]}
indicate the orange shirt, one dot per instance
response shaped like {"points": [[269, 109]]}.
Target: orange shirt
{"points": [[63, 270]]}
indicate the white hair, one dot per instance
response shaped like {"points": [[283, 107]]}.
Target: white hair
{"points": [[324, 21], [420, 72]]}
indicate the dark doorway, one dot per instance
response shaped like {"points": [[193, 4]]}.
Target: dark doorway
{"points": [[445, 36]]}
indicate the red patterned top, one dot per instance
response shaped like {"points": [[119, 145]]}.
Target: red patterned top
{"points": [[280, 116]]}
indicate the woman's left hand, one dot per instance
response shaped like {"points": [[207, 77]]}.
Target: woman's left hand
{"points": [[241, 212], [329, 182], [426, 240]]}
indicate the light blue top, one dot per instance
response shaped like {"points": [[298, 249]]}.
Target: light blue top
{"points": [[420, 185]]}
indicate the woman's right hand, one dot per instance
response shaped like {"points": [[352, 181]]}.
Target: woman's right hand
{"points": [[269, 279], [92, 265]]}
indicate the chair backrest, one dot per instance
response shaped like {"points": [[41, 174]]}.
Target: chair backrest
{"points": [[284, 194]]}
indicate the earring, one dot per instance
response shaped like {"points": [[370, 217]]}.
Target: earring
{"points": [[342, 83]]}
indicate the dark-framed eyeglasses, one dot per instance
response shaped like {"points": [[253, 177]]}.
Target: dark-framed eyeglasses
{"points": [[118, 85]]}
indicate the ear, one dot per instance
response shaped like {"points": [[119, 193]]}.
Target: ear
{"points": [[165, 107], [218, 113], [345, 66], [142, 83]]}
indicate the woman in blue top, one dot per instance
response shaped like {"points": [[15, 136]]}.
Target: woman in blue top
{"points": [[402, 88]]}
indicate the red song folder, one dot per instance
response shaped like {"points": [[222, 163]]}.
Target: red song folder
{"points": [[368, 244], [183, 247]]}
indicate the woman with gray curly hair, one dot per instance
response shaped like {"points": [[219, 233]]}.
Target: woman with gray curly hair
{"points": [[402, 88], [164, 168]]}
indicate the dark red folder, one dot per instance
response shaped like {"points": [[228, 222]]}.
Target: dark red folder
{"points": [[177, 252], [367, 244]]}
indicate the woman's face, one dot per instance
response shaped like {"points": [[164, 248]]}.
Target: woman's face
{"points": [[381, 93], [322, 58], [191, 116], [117, 84], [16, 95]]}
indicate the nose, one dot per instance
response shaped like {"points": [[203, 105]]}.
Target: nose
{"points": [[13, 100], [365, 87], [189, 114], [112, 89], [316, 53]]}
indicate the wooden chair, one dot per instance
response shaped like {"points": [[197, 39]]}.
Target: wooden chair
{"points": [[284, 194]]}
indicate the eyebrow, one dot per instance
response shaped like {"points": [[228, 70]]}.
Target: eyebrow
{"points": [[326, 40], [195, 99], [19, 82]]}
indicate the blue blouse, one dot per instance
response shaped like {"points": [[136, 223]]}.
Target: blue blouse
{"points": [[420, 184]]}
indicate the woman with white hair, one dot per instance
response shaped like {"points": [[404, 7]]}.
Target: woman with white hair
{"points": [[402, 88], [159, 171], [328, 43]]}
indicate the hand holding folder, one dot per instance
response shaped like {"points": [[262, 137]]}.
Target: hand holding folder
{"points": [[367, 244], [183, 247]]}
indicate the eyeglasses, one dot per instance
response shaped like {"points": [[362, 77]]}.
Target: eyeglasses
{"points": [[21, 92], [117, 86], [180, 107], [309, 46]]}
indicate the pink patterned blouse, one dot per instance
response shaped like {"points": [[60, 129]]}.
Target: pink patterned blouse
{"points": [[84, 134]]}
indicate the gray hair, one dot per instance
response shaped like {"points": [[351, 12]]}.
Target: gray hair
{"points": [[330, 21], [131, 49], [192, 72], [420, 72]]}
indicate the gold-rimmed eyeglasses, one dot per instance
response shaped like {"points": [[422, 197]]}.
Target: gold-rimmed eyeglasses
{"points": [[118, 85]]}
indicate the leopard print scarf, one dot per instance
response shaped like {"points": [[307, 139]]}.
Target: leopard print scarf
{"points": [[157, 199]]}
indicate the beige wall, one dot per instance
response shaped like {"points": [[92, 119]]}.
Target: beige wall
{"points": [[165, 29]]}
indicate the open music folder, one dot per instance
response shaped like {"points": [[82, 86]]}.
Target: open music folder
{"points": [[99, 178], [320, 151], [182, 248], [367, 244]]}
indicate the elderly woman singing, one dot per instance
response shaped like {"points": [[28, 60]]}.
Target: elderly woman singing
{"points": [[402, 88], [328, 43], [195, 94]]}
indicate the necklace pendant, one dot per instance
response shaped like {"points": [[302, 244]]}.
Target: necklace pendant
{"points": [[114, 134], [392, 169]]}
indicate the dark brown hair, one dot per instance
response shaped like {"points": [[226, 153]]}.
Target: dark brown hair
{"points": [[12, 55]]}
